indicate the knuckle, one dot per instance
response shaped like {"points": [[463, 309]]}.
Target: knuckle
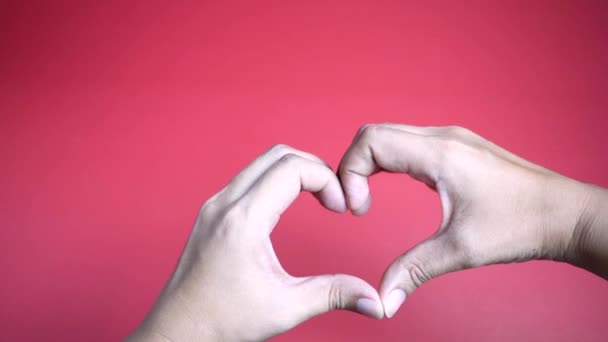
{"points": [[463, 131], [335, 296], [456, 131], [464, 135], [368, 132], [280, 149], [234, 216], [417, 272], [364, 128], [290, 159], [209, 208]]}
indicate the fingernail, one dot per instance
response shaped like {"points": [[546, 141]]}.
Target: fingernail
{"points": [[393, 301], [367, 307]]}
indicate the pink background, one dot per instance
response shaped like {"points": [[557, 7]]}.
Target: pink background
{"points": [[119, 119]]}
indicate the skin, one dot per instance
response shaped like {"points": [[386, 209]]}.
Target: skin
{"points": [[229, 261], [497, 208]]}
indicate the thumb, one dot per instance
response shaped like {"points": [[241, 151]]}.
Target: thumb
{"points": [[320, 294], [429, 259]]}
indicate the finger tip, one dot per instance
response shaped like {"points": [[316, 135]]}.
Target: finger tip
{"points": [[361, 209], [393, 301], [370, 308], [356, 192], [358, 212], [340, 210], [338, 206]]}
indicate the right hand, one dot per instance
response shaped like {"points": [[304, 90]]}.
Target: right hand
{"points": [[229, 284], [497, 207]]}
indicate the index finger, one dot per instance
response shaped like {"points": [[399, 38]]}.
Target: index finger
{"points": [[384, 147], [281, 184]]}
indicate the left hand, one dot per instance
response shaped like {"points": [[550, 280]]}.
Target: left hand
{"points": [[229, 284]]}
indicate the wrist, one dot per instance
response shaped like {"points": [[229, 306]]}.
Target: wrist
{"points": [[172, 319], [562, 222], [587, 246]]}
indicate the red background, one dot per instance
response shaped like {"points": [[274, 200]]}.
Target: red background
{"points": [[118, 120]]}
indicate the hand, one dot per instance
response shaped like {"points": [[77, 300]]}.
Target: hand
{"points": [[497, 207], [229, 284]]}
